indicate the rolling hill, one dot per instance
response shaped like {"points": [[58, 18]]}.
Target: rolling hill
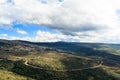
{"points": [[60, 60]]}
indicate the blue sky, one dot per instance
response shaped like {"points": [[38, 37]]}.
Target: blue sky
{"points": [[30, 29], [60, 20]]}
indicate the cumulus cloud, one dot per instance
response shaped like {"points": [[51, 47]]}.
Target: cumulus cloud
{"points": [[44, 36], [21, 31], [92, 20], [9, 37]]}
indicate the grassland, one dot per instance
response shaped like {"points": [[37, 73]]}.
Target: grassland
{"points": [[112, 71], [58, 61], [8, 75]]}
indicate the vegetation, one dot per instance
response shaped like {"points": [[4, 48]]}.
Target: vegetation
{"points": [[6, 64], [60, 61], [41, 74], [7, 75], [21, 60], [112, 71]]}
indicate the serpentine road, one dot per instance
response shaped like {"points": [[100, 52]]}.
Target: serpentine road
{"points": [[26, 63]]}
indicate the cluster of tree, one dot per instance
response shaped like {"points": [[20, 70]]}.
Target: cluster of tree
{"points": [[6, 64]]}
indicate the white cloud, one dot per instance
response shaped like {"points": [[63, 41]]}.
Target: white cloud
{"points": [[78, 20], [21, 31], [43, 36], [3, 36]]}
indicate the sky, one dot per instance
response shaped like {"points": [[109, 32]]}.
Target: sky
{"points": [[96, 21]]}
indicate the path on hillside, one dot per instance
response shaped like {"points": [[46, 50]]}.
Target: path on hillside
{"points": [[26, 63]]}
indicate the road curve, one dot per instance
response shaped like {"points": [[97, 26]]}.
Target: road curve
{"points": [[26, 63]]}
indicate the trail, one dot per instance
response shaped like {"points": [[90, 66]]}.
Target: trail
{"points": [[26, 63]]}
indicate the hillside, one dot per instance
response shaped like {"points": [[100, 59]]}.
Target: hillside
{"points": [[7, 75], [109, 53], [60, 60]]}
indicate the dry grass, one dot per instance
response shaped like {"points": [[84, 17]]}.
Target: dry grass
{"points": [[6, 75]]}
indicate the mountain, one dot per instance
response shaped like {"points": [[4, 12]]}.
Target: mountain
{"points": [[60, 60]]}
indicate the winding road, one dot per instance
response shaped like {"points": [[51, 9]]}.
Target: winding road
{"points": [[26, 63]]}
